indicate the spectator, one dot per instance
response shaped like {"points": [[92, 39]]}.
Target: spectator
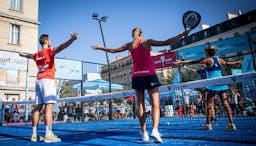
{"points": [[200, 103], [236, 98]]}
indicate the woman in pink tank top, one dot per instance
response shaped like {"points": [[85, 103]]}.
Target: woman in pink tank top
{"points": [[144, 76]]}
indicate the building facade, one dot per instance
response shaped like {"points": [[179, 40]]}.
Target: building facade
{"points": [[19, 33], [120, 71]]}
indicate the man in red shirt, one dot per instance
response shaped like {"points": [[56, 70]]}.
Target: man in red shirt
{"points": [[45, 84]]}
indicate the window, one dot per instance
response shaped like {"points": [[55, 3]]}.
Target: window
{"points": [[194, 37], [218, 29], [200, 36], [183, 42], [12, 76], [236, 34], [205, 34], [14, 37], [16, 5], [253, 29]]}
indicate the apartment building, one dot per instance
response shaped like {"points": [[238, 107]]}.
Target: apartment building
{"points": [[18, 33]]}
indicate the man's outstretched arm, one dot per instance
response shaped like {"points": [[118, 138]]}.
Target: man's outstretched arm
{"points": [[26, 55], [61, 47]]}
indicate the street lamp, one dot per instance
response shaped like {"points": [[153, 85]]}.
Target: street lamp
{"points": [[104, 19]]}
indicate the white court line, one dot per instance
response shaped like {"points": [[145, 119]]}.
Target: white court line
{"points": [[2, 139], [73, 133]]}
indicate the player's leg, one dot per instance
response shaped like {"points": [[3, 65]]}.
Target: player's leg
{"points": [[141, 114], [209, 99], [224, 99], [154, 96], [36, 111], [49, 97]]}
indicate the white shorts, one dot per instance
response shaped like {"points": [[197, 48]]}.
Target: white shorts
{"points": [[46, 91]]}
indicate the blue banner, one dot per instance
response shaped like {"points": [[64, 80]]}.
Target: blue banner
{"points": [[176, 78], [1, 112], [68, 69], [248, 87], [235, 45], [247, 65], [253, 40], [193, 53]]}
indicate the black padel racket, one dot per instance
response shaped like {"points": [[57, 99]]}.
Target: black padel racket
{"points": [[190, 20]]}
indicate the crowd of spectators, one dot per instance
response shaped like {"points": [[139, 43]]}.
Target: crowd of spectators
{"points": [[99, 110]]}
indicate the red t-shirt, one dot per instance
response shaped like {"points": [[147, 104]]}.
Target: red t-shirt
{"points": [[45, 62]]}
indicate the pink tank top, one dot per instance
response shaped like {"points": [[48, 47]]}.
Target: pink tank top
{"points": [[143, 64]]}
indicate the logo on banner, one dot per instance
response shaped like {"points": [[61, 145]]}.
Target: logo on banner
{"points": [[12, 61], [164, 60]]}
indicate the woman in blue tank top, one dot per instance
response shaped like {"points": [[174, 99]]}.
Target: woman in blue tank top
{"points": [[213, 70]]}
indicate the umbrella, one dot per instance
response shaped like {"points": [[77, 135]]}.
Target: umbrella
{"points": [[98, 84]]}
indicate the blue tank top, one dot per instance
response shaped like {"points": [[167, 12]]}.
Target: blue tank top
{"points": [[214, 71]]}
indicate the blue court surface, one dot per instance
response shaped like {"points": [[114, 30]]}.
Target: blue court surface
{"points": [[175, 131]]}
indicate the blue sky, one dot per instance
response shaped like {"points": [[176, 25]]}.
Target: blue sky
{"points": [[158, 19]]}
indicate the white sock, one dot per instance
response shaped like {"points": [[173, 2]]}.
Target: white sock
{"points": [[51, 129], [47, 131], [34, 130]]}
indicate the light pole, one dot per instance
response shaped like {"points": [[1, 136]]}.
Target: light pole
{"points": [[104, 19]]}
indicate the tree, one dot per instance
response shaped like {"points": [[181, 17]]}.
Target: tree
{"points": [[65, 92]]}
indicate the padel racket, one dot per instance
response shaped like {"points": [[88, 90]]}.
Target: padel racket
{"points": [[190, 20]]}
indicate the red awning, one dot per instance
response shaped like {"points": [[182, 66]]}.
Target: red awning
{"points": [[130, 99]]}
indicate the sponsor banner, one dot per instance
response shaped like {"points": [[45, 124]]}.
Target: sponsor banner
{"points": [[233, 45], [164, 60], [68, 69], [247, 64], [12, 61], [253, 40], [1, 112], [193, 53]]}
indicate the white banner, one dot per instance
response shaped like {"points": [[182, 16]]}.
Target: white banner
{"points": [[68, 69], [12, 61]]}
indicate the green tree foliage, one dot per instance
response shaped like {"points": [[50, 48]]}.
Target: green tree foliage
{"points": [[65, 92]]}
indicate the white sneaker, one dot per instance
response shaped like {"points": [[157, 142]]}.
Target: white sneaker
{"points": [[33, 138], [144, 136], [36, 137], [206, 127], [231, 127], [50, 139], [156, 136], [55, 136]]}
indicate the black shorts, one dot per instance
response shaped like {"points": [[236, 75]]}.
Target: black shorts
{"points": [[145, 82]]}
